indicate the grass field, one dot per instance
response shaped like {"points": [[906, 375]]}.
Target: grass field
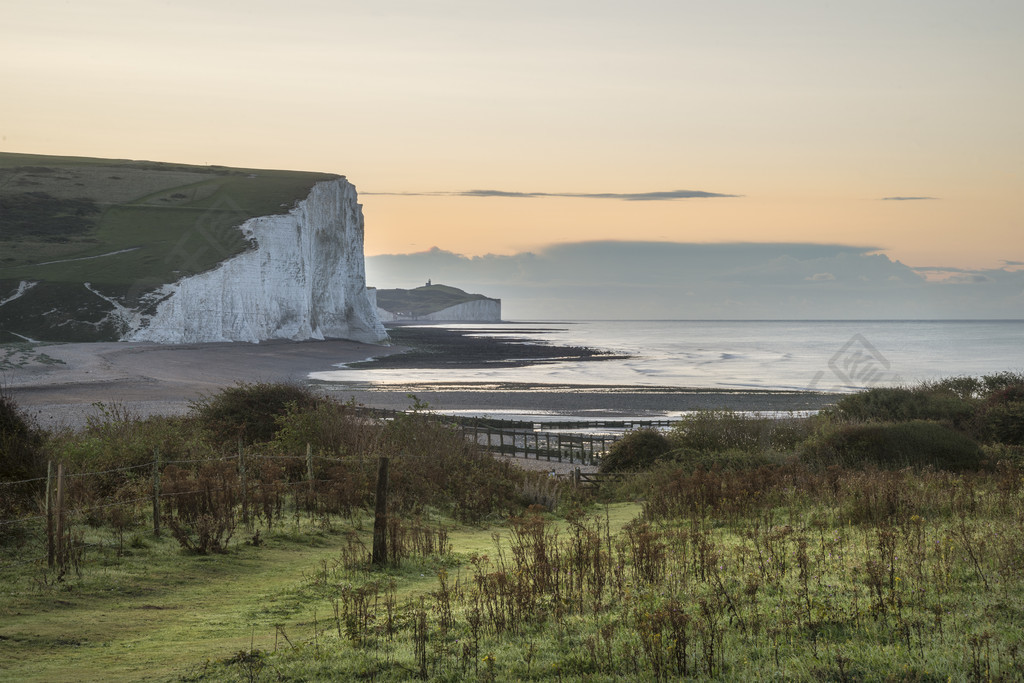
{"points": [[736, 554], [155, 210], [157, 614], [125, 227], [791, 587]]}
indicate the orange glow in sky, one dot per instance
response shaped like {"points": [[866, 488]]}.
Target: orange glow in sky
{"points": [[811, 113]]}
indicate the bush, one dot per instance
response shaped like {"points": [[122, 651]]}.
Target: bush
{"points": [[249, 411], [1002, 380], [963, 386], [21, 458], [714, 431], [329, 427], [1004, 423], [118, 445], [898, 404], [200, 507], [637, 450], [893, 446], [688, 459], [20, 444], [1006, 454], [434, 465]]}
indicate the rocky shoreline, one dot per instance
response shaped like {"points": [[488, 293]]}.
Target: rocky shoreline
{"points": [[462, 348]]}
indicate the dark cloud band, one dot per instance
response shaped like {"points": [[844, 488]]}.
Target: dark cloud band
{"points": [[711, 281]]}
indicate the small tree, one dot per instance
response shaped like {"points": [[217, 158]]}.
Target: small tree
{"points": [[21, 459], [637, 450], [249, 411], [20, 443]]}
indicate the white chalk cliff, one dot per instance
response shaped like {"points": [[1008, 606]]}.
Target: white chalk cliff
{"points": [[304, 279], [479, 310]]}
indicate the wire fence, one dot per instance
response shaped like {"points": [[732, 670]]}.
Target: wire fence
{"points": [[52, 506], [164, 495]]}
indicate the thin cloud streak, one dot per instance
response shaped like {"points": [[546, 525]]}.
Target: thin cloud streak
{"points": [[941, 269], [663, 196], [908, 199]]}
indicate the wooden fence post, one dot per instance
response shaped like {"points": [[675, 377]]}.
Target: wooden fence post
{"points": [[244, 483], [309, 470], [380, 516], [60, 515], [156, 492], [50, 548]]}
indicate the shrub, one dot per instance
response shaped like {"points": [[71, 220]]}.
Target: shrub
{"points": [[20, 443], [963, 386], [200, 508], [249, 411], [117, 445], [893, 446], [1002, 380], [434, 465], [1004, 423], [713, 431], [21, 458], [329, 427], [539, 488], [688, 459], [674, 492], [1003, 453], [1000, 417], [637, 450], [899, 404], [1012, 393]]}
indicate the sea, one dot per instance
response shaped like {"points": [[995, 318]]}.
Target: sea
{"points": [[827, 356]]}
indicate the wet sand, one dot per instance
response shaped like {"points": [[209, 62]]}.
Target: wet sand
{"points": [[595, 402], [444, 349], [60, 383]]}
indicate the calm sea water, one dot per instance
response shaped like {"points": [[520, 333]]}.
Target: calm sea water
{"points": [[835, 356]]}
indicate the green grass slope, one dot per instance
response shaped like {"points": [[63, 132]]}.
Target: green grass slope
{"points": [[125, 227], [423, 300]]}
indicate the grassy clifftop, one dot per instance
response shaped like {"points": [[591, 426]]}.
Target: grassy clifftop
{"points": [[125, 227], [423, 300]]}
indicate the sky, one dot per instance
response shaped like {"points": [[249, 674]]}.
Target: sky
{"points": [[507, 129], [602, 280]]}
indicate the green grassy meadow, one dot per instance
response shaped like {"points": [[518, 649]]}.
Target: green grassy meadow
{"points": [[845, 546], [158, 614], [124, 227]]}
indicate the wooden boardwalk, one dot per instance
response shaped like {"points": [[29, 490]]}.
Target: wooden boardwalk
{"points": [[556, 441]]}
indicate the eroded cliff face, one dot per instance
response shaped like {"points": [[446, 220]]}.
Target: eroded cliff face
{"points": [[304, 279]]}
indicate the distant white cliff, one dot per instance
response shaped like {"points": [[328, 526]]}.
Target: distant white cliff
{"points": [[304, 279], [480, 310]]}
